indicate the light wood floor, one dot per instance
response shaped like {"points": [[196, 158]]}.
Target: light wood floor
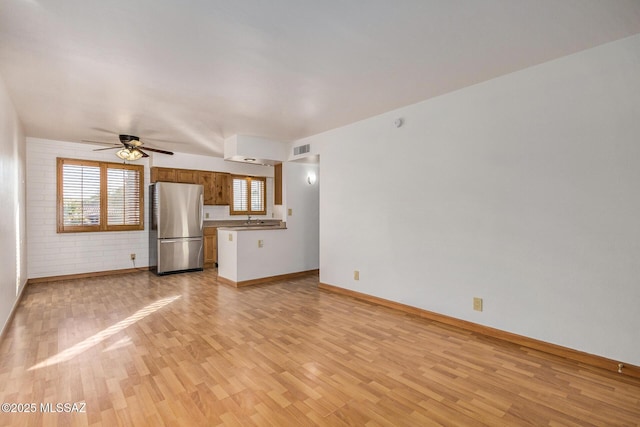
{"points": [[185, 350]]}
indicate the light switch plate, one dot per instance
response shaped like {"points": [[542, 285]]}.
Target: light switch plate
{"points": [[230, 237]]}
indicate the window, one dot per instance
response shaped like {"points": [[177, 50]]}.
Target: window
{"points": [[249, 195], [99, 196]]}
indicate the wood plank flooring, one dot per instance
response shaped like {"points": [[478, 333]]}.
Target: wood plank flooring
{"points": [[184, 350]]}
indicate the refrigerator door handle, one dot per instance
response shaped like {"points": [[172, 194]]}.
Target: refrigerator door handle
{"points": [[186, 239], [201, 211]]}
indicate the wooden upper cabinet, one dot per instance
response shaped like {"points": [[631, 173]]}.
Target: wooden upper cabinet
{"points": [[221, 193], [208, 181], [187, 176], [163, 174], [277, 184], [216, 184]]}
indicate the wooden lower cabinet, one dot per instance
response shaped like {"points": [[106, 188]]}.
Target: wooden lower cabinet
{"points": [[210, 247]]}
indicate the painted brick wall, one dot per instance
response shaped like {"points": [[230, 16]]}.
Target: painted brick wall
{"points": [[53, 254]]}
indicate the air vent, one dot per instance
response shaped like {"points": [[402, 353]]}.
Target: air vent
{"points": [[302, 149]]}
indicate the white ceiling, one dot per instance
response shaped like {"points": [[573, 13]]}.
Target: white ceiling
{"points": [[195, 72]]}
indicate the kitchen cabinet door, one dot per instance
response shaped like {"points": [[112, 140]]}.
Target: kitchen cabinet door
{"points": [[163, 175], [222, 189], [277, 184], [208, 181], [210, 247], [186, 176]]}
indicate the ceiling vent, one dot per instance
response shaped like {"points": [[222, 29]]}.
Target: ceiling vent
{"points": [[302, 149]]}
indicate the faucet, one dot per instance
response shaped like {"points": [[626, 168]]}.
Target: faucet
{"points": [[248, 219]]}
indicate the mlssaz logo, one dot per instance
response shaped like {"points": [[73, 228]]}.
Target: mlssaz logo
{"points": [[64, 407]]}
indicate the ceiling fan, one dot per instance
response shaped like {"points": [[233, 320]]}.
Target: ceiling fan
{"points": [[130, 149]]}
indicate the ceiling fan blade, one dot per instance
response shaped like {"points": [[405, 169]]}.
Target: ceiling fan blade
{"points": [[108, 148], [90, 141], [105, 130], [142, 152], [155, 150]]}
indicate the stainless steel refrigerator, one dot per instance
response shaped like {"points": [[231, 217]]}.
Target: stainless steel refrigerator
{"points": [[175, 237]]}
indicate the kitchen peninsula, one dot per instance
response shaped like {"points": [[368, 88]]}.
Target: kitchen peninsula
{"points": [[211, 235], [248, 255]]}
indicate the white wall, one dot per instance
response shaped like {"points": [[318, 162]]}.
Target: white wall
{"points": [[304, 222], [13, 254], [523, 190]]}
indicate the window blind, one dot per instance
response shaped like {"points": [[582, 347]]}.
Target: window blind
{"points": [[240, 195], [257, 195], [123, 196], [81, 195]]}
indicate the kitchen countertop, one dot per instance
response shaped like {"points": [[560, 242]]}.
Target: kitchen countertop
{"points": [[255, 227], [235, 225]]}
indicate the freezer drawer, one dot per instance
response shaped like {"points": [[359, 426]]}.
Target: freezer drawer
{"points": [[179, 255]]}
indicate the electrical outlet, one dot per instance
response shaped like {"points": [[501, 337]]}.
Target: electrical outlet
{"points": [[206, 215], [133, 257], [230, 237], [477, 304], [356, 275], [260, 243]]}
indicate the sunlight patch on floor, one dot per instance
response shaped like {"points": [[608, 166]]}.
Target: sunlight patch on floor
{"points": [[82, 346], [122, 342]]}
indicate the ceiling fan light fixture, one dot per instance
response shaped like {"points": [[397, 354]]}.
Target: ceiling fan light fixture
{"points": [[129, 154]]}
